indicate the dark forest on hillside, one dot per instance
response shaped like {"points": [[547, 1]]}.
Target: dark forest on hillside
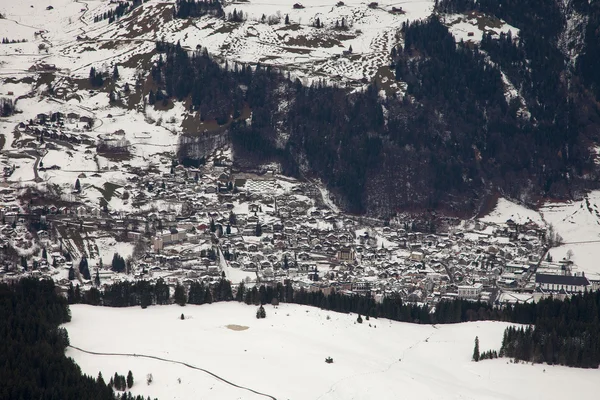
{"points": [[447, 145], [33, 364], [198, 8]]}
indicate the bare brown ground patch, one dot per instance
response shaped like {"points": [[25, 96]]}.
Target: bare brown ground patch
{"points": [[235, 327], [297, 50], [291, 27], [45, 78], [148, 21], [226, 28], [316, 42], [192, 126]]}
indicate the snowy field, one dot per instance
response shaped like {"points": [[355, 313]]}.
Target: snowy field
{"points": [[506, 209], [308, 51], [284, 356], [73, 41], [471, 27], [578, 222]]}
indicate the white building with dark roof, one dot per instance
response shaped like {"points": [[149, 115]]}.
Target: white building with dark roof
{"points": [[561, 283]]}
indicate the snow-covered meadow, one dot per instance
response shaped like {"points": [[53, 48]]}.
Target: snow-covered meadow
{"points": [[472, 26], [577, 223], [284, 355]]}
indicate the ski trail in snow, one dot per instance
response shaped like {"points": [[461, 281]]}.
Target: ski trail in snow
{"points": [[175, 362], [386, 369]]}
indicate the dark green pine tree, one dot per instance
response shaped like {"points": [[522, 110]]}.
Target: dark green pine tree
{"points": [[118, 263], [83, 268], [180, 297], [197, 293], [162, 292], [222, 291], [77, 299], [241, 289], [92, 75], [71, 294], [476, 350], [129, 379], [261, 313], [208, 297]]}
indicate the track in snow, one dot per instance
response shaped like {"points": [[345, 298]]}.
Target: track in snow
{"points": [[176, 362]]}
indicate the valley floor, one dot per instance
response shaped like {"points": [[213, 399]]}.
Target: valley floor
{"points": [[283, 356]]}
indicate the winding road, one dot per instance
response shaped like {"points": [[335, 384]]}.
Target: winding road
{"points": [[176, 362]]}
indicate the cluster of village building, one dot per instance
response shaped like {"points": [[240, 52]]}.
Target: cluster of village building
{"points": [[264, 228]]}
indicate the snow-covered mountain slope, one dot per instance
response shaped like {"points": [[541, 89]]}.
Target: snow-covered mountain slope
{"points": [[49, 73], [58, 43], [369, 30], [284, 355]]}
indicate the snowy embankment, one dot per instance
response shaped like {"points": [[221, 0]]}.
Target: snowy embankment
{"points": [[506, 209], [578, 222], [284, 355]]}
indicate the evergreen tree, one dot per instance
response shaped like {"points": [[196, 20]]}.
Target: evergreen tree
{"points": [[476, 350], [208, 297], [83, 268], [115, 73], [258, 229], [162, 292], [77, 185], [77, 297], [97, 278], [92, 77], [261, 313], [180, 297], [118, 263], [71, 293], [241, 289], [286, 263]]}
